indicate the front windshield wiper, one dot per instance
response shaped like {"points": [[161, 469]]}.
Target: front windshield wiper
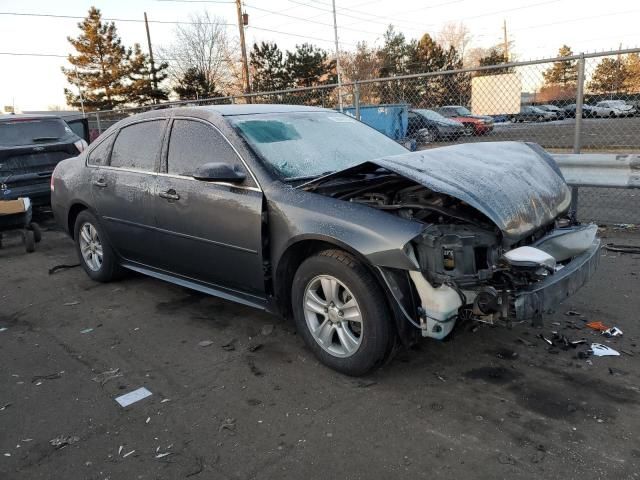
{"points": [[309, 177]]}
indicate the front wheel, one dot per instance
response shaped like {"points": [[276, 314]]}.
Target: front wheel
{"points": [[341, 313], [95, 253]]}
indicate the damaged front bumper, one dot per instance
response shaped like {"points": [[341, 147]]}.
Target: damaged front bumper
{"points": [[544, 296]]}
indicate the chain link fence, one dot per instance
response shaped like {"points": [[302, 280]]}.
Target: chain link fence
{"points": [[582, 103]]}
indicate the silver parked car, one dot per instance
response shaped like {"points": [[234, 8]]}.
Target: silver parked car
{"points": [[311, 214]]}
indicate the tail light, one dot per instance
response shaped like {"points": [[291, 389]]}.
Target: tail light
{"points": [[80, 145]]}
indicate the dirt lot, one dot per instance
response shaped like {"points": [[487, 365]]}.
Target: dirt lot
{"points": [[255, 403]]}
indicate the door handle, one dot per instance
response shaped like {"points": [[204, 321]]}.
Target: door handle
{"points": [[170, 195], [100, 183]]}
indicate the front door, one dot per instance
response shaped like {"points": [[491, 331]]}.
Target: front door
{"points": [[123, 186], [208, 231]]}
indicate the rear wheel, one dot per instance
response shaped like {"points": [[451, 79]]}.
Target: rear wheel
{"points": [[341, 314], [95, 253]]}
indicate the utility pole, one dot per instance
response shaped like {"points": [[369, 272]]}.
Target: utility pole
{"points": [[243, 47], [154, 79], [506, 41], [335, 35]]}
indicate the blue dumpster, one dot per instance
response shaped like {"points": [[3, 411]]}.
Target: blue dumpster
{"points": [[390, 119]]}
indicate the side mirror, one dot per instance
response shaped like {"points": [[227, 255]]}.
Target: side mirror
{"points": [[221, 172]]}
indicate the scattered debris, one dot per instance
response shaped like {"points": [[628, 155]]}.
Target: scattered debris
{"points": [[627, 352], [599, 326], [600, 350], [549, 342], [128, 453], [505, 459], [5, 406], [612, 332], [162, 455], [62, 441], [120, 449], [439, 377], [148, 420], [71, 304], [254, 347], [52, 376], [205, 343], [612, 247], [2, 329], [228, 424], [165, 400], [229, 346], [267, 329], [59, 268], [132, 397], [572, 313], [86, 330], [557, 324], [107, 375], [437, 406]]}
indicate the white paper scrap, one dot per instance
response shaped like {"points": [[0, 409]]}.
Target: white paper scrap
{"points": [[600, 350], [132, 397]]}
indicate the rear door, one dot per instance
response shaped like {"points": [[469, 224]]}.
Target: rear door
{"points": [[209, 231], [123, 185]]}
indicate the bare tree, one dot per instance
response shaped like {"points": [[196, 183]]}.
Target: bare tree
{"points": [[204, 47], [456, 35]]}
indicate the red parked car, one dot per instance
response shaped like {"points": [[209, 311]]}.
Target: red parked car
{"points": [[473, 124]]}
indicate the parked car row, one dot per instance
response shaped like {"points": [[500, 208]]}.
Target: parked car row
{"points": [[446, 123]]}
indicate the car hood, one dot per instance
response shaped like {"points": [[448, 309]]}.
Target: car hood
{"points": [[449, 123], [517, 185]]}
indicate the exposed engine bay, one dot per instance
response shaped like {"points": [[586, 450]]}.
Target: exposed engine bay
{"points": [[468, 267]]}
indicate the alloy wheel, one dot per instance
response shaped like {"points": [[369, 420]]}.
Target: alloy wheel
{"points": [[333, 316], [91, 246]]}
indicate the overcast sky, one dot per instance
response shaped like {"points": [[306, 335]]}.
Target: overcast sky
{"points": [[537, 28]]}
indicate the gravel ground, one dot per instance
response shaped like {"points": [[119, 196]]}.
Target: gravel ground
{"points": [[252, 402]]}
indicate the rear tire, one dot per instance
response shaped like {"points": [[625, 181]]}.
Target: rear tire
{"points": [[348, 328], [98, 259]]}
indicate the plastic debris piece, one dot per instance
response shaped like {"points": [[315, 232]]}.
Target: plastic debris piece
{"points": [[86, 330], [600, 350], [549, 342], [71, 304], [5, 406], [599, 326], [572, 313], [51, 376], [148, 420], [162, 455], [2, 329], [612, 332], [627, 352], [128, 453], [165, 400], [62, 441], [205, 343], [107, 375], [132, 397]]}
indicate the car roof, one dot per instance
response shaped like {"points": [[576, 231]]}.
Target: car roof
{"points": [[22, 116]]}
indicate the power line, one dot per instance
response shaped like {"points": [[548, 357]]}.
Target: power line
{"points": [[307, 19], [297, 35], [73, 17]]}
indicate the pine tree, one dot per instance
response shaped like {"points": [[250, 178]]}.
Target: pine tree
{"points": [[494, 57], [194, 85], [100, 66], [268, 68], [308, 66], [564, 73], [394, 60], [609, 76], [140, 90]]}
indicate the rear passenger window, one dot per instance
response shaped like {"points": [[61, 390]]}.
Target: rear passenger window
{"points": [[137, 146], [99, 156], [193, 144]]}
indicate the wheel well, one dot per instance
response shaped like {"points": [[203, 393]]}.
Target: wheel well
{"points": [[298, 252], [74, 211]]}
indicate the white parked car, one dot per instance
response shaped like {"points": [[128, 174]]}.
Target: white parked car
{"points": [[617, 108]]}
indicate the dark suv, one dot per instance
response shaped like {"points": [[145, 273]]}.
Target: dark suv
{"points": [[30, 148]]}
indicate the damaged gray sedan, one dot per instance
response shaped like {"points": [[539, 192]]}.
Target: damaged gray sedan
{"points": [[309, 213]]}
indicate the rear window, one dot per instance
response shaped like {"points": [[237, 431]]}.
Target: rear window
{"points": [[32, 131], [137, 146]]}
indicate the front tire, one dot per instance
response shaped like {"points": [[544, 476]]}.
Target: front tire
{"points": [[341, 313], [94, 251]]}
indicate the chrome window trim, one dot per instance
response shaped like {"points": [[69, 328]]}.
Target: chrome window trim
{"points": [[182, 177], [206, 122]]}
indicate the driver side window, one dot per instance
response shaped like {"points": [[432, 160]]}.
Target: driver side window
{"points": [[193, 143]]}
